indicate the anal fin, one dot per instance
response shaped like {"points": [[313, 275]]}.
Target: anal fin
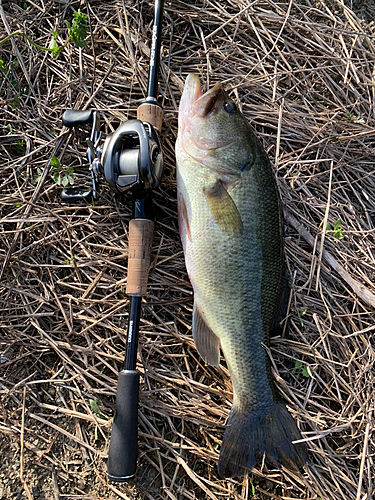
{"points": [[206, 342]]}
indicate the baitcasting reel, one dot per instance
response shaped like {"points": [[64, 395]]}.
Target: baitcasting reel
{"points": [[130, 159]]}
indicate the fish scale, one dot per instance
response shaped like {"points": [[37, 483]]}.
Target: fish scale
{"points": [[229, 293], [231, 231]]}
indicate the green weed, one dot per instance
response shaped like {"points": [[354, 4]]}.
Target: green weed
{"points": [[298, 365], [253, 491], [7, 69], [77, 32], [300, 314], [351, 117], [61, 178], [37, 176], [336, 231], [95, 405]]}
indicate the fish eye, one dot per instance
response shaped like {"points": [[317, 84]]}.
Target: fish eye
{"points": [[230, 107]]}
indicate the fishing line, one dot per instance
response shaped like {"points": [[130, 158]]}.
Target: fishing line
{"points": [[135, 64]]}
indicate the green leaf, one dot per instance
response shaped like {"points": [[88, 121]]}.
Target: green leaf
{"points": [[53, 45], [68, 177], [351, 117], [253, 491], [336, 232], [57, 177], [358, 119], [55, 162], [297, 366], [78, 29], [38, 175], [337, 225], [305, 372], [95, 405], [300, 314], [16, 102]]}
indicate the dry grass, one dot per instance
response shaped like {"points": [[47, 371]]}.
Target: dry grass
{"points": [[304, 74]]}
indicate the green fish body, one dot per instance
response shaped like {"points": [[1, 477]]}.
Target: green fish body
{"points": [[231, 231]]}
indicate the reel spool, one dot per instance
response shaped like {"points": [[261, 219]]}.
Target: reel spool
{"points": [[132, 157]]}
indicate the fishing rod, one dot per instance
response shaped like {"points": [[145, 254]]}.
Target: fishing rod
{"points": [[130, 160]]}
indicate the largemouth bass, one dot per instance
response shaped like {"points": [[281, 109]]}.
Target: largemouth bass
{"points": [[231, 231]]}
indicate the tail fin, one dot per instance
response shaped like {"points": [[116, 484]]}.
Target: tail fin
{"points": [[249, 436]]}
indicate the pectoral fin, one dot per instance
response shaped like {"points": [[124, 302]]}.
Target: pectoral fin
{"points": [[206, 342], [224, 209], [183, 218]]}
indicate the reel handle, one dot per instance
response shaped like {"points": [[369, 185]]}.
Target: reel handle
{"points": [[76, 117], [73, 195]]}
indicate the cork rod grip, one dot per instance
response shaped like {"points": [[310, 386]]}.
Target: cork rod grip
{"points": [[140, 242], [151, 113]]}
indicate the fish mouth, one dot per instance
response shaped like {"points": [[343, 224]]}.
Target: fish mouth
{"points": [[195, 104], [200, 104], [192, 89], [207, 102]]}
